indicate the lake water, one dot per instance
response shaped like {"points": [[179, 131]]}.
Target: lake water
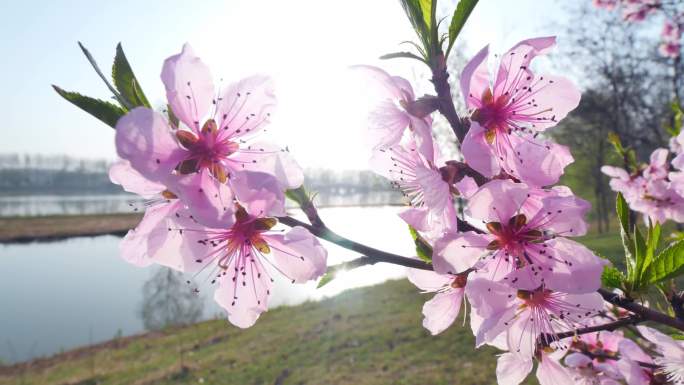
{"points": [[38, 205], [65, 294]]}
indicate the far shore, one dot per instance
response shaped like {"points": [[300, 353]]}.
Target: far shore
{"points": [[58, 227]]}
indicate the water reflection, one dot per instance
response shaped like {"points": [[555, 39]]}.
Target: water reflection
{"points": [[167, 301], [37, 205], [65, 294]]}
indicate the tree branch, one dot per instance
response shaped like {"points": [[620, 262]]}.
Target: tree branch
{"points": [[374, 255], [642, 311], [440, 80], [610, 326]]}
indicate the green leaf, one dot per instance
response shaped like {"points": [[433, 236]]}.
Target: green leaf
{"points": [[612, 277], [639, 257], [406, 55], [124, 103], [622, 210], [419, 18], [652, 243], [614, 139], [676, 236], [423, 249], [326, 279], [426, 10], [458, 20], [125, 81], [677, 118], [668, 264], [677, 336], [107, 112]]}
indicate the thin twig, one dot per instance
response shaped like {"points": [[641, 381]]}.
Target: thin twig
{"points": [[610, 326], [440, 80], [644, 312], [373, 255]]}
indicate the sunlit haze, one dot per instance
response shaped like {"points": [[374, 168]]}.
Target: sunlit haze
{"points": [[307, 46]]}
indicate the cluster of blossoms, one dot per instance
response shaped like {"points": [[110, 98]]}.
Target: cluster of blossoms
{"points": [[213, 190], [213, 194], [639, 10], [525, 279], [609, 358], [656, 189]]}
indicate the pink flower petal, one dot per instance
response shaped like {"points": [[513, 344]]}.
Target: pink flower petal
{"points": [[210, 201], [189, 87], [298, 254], [123, 174], [579, 271], [270, 159], [512, 369], [550, 372], [466, 187], [141, 245], [475, 79], [243, 296], [259, 193], [514, 66], [539, 163], [144, 139], [428, 280], [245, 108], [577, 360], [554, 97], [497, 201], [457, 252], [394, 86], [441, 311], [478, 153]]}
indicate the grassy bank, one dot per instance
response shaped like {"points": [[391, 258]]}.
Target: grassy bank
{"points": [[364, 336], [48, 228]]}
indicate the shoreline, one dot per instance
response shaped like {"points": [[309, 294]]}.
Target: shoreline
{"points": [[50, 228], [20, 230]]}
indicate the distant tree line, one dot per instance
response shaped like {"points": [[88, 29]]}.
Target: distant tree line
{"points": [[61, 174]]}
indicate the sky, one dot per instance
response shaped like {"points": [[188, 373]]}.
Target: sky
{"points": [[306, 45]]}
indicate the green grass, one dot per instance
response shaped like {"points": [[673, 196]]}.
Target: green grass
{"points": [[364, 336]]}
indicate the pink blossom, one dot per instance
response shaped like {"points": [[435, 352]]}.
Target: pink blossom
{"points": [[671, 358], [527, 318], [150, 241], [671, 31], [670, 49], [607, 4], [599, 368], [654, 191], [629, 364], [441, 311], [512, 369], [244, 257], [525, 242], [214, 144], [390, 118], [621, 181], [638, 10], [415, 173], [508, 114]]}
